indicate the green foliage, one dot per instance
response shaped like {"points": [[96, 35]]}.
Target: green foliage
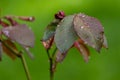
{"points": [[50, 30], [65, 35]]}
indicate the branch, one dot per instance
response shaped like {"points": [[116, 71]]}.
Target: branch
{"points": [[19, 55]]}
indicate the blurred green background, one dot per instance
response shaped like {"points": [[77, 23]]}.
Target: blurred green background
{"points": [[103, 66]]}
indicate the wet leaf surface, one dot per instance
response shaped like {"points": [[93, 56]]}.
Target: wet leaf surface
{"points": [[65, 35], [20, 34], [90, 30]]}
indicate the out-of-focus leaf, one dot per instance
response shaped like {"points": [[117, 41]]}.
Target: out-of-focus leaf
{"points": [[26, 49], [90, 30], [105, 45], [60, 57], [47, 44], [50, 30], [65, 35], [83, 50], [7, 50], [1, 51], [26, 18], [3, 24], [20, 34], [11, 20]]}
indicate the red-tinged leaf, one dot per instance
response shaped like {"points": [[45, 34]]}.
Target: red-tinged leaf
{"points": [[20, 34], [90, 30], [105, 45], [8, 51], [60, 56], [65, 35], [47, 44], [83, 50], [3, 24], [26, 18], [1, 51], [50, 30], [11, 20]]}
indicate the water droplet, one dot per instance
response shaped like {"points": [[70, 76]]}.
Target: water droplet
{"points": [[58, 25], [82, 27], [82, 50], [65, 40], [30, 18], [85, 42], [27, 48], [83, 16], [93, 46], [6, 33]]}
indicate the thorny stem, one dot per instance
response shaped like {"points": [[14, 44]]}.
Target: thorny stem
{"points": [[20, 55], [51, 59]]}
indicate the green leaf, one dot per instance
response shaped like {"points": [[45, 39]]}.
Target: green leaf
{"points": [[65, 35], [20, 34], [90, 30], [50, 30]]}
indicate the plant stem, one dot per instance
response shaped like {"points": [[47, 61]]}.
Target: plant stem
{"points": [[25, 67], [51, 59], [51, 63], [19, 55], [51, 70]]}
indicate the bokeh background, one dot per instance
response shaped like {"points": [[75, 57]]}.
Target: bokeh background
{"points": [[103, 66]]}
